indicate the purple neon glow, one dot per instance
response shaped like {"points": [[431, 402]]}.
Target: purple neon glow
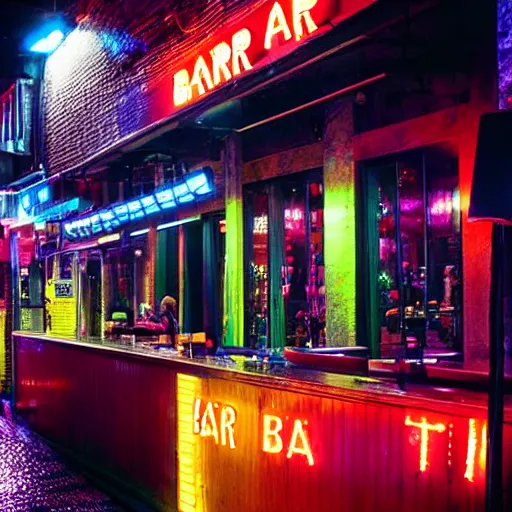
{"points": [[33, 478], [504, 51]]}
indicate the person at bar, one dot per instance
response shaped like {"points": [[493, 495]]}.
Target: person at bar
{"points": [[168, 320]]}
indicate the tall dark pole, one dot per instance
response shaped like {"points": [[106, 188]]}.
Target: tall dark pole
{"points": [[494, 469]]}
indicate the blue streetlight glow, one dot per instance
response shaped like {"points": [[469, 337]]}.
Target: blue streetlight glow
{"points": [[49, 43], [46, 36]]}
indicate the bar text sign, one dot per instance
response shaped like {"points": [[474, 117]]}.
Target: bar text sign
{"points": [[248, 434], [267, 33]]}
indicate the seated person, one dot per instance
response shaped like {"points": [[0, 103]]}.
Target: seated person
{"points": [[167, 318]]}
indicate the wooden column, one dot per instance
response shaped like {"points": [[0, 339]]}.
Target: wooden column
{"points": [[234, 273], [339, 225]]}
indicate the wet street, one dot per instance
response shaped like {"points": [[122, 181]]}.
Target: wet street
{"points": [[34, 479]]}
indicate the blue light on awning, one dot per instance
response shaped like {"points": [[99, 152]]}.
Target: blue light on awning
{"points": [[194, 186], [54, 212]]}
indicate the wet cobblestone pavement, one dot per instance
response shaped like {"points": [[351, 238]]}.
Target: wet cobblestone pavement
{"points": [[34, 479]]}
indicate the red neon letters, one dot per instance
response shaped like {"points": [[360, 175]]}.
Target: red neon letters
{"points": [[291, 436], [426, 428], [273, 438], [211, 418], [218, 422], [229, 59]]}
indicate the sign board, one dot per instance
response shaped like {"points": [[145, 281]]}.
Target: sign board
{"points": [[61, 312], [292, 451], [264, 35], [64, 288]]}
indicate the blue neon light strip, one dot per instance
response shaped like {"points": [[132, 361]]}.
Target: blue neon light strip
{"points": [[192, 187]]}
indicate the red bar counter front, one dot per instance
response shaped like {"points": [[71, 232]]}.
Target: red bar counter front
{"points": [[194, 437], [257, 448]]}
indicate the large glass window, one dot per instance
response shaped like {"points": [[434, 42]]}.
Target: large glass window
{"points": [[257, 256], [284, 261], [90, 294], [213, 268], [125, 283], [409, 247], [31, 279]]}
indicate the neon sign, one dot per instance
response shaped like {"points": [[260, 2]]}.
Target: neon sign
{"points": [[251, 429], [217, 421], [194, 186], [298, 443], [292, 437], [426, 428], [212, 420], [268, 33]]}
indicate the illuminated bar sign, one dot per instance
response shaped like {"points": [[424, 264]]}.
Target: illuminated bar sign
{"points": [[268, 33], [284, 450], [193, 186]]}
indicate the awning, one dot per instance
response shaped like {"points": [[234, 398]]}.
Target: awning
{"points": [[55, 212]]}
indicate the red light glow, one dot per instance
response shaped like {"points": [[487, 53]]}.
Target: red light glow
{"points": [[425, 429], [253, 41], [273, 431]]}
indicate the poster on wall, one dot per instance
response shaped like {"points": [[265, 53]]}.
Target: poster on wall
{"points": [[61, 313], [64, 288]]}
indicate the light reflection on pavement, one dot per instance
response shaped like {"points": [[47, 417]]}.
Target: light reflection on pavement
{"points": [[34, 479]]}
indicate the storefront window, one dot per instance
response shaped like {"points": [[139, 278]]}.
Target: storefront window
{"points": [[30, 286], [285, 239], [213, 268], [257, 258], [123, 266], [409, 249], [90, 294]]}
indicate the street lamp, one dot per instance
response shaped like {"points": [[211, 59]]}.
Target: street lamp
{"points": [[48, 36], [49, 43]]}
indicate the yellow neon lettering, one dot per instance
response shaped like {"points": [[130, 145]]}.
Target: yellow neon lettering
{"points": [[240, 43], [301, 10], [182, 92], [208, 424], [197, 408], [227, 422], [470, 458], [201, 73], [221, 55], [272, 442], [424, 429], [276, 23], [299, 435]]}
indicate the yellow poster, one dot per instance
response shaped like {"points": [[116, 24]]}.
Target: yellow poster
{"points": [[61, 305]]}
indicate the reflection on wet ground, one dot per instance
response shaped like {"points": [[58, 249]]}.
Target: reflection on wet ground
{"points": [[34, 479]]}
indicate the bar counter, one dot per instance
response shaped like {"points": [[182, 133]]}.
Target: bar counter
{"points": [[201, 435]]}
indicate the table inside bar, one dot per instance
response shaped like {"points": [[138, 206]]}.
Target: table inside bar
{"points": [[209, 434]]}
